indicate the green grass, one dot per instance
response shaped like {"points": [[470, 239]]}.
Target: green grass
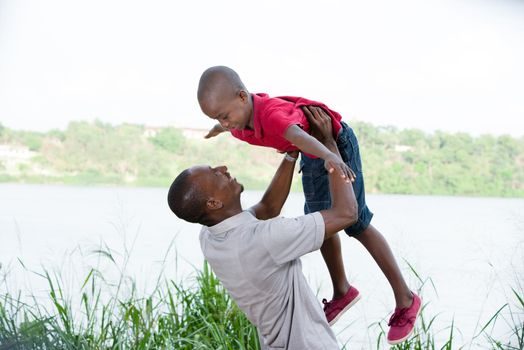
{"points": [[425, 334], [173, 317], [198, 314], [513, 319]]}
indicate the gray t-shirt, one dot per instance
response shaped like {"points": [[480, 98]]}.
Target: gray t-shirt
{"points": [[258, 262]]}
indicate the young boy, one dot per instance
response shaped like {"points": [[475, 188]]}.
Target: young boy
{"points": [[281, 123]]}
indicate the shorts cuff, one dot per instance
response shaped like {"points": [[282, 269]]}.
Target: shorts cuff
{"points": [[364, 219]]}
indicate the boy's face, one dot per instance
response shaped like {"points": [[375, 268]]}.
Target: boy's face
{"points": [[231, 113]]}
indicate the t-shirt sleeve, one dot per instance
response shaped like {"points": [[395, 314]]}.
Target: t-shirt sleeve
{"points": [[287, 239]]}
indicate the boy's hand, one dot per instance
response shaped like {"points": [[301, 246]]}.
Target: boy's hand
{"points": [[320, 126], [333, 163], [215, 130]]}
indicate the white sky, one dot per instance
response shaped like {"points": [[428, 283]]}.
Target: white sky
{"points": [[453, 65]]}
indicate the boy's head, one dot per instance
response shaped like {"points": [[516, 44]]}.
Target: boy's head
{"points": [[222, 96]]}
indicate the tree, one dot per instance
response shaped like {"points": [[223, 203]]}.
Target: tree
{"points": [[170, 139]]}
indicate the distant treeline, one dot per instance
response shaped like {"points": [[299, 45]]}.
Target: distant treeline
{"points": [[405, 161]]}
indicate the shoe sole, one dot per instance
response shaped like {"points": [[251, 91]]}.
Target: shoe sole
{"points": [[348, 306], [398, 341]]}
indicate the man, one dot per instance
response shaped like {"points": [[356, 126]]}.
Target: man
{"points": [[256, 255]]}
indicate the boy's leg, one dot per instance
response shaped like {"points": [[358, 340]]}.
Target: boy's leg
{"points": [[379, 249], [344, 295], [363, 231], [332, 253], [402, 320], [316, 191], [408, 305]]}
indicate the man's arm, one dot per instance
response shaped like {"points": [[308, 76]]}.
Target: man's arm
{"points": [[276, 194], [308, 144], [344, 207]]}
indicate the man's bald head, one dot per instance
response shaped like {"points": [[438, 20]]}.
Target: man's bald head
{"points": [[205, 195], [186, 199], [219, 82]]}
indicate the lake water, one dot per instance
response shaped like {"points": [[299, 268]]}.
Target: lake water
{"points": [[470, 251]]}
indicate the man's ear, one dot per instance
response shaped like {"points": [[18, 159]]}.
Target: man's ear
{"points": [[214, 204]]}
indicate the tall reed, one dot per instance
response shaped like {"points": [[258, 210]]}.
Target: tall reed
{"points": [[201, 316], [198, 316]]}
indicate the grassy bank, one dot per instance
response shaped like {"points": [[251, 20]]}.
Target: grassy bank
{"points": [[172, 317], [199, 315]]}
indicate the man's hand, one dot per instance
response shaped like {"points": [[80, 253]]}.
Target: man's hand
{"points": [[321, 128], [215, 130]]}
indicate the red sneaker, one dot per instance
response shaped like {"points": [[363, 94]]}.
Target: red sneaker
{"points": [[402, 322], [336, 307]]}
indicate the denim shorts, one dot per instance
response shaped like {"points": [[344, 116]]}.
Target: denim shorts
{"points": [[316, 186]]}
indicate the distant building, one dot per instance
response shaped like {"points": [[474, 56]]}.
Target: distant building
{"points": [[14, 156], [402, 148], [15, 153], [192, 133], [150, 131]]}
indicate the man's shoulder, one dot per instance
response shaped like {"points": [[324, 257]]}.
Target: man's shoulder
{"points": [[281, 223], [233, 223]]}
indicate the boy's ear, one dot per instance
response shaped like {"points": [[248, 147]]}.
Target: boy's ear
{"points": [[243, 95], [214, 204]]}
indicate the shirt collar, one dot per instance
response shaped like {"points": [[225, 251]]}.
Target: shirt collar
{"points": [[232, 222], [257, 111]]}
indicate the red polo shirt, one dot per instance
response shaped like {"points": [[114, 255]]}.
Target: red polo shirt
{"points": [[273, 115]]}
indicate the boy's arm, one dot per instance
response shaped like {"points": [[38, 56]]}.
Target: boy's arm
{"points": [[214, 131], [308, 144], [276, 194], [344, 207]]}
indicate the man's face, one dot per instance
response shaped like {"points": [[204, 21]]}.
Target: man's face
{"points": [[232, 113], [217, 182]]}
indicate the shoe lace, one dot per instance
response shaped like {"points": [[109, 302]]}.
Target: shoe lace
{"points": [[399, 319], [326, 303]]}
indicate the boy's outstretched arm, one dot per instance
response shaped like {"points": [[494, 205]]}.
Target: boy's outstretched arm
{"points": [[308, 144], [276, 194], [214, 131]]}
